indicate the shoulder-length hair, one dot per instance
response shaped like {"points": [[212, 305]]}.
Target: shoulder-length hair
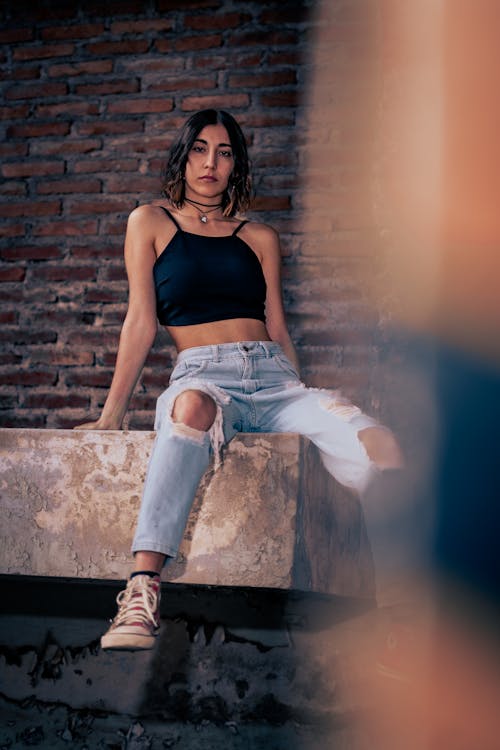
{"points": [[236, 197]]}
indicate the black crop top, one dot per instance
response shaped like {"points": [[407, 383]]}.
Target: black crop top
{"points": [[203, 279]]}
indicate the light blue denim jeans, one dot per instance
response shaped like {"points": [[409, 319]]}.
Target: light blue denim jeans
{"points": [[256, 389]]}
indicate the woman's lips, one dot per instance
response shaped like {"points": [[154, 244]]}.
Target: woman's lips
{"points": [[208, 178]]}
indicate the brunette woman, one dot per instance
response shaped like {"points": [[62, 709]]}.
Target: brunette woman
{"points": [[212, 278]]}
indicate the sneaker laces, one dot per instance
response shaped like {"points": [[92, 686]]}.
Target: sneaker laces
{"points": [[137, 604]]}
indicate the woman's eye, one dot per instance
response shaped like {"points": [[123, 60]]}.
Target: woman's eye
{"points": [[227, 154]]}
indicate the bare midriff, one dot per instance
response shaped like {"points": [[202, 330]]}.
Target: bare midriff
{"points": [[218, 332]]}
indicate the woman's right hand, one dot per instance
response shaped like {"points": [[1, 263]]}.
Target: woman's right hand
{"points": [[99, 424]]}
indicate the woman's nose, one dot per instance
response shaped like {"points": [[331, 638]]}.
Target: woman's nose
{"points": [[210, 159]]}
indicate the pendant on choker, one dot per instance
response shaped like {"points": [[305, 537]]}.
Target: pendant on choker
{"points": [[203, 219]]}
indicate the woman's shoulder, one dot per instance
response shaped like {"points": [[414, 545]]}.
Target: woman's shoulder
{"points": [[259, 231], [147, 212]]}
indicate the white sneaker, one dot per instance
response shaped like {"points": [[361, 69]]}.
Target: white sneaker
{"points": [[137, 622]]}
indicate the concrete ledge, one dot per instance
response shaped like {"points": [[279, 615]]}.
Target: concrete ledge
{"points": [[270, 516]]}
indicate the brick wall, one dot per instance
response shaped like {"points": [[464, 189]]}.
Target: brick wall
{"points": [[92, 95]]}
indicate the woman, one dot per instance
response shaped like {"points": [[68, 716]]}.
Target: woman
{"points": [[214, 281]]}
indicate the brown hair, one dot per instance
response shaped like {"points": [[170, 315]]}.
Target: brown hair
{"points": [[236, 197]]}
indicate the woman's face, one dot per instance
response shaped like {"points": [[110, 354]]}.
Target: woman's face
{"points": [[209, 164]]}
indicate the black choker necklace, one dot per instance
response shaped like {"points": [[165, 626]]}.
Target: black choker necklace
{"points": [[203, 214]]}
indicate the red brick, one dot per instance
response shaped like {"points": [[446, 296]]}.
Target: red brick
{"points": [[140, 422], [154, 378], [14, 113], [36, 90], [110, 316], [158, 359], [32, 168], [268, 120], [285, 58], [18, 188], [111, 227], [55, 401], [43, 51], [9, 358], [29, 378], [114, 8], [219, 101], [69, 186], [19, 419], [257, 80], [189, 43], [146, 144], [72, 31], [31, 252], [48, 148], [67, 109], [137, 106], [119, 184], [8, 401], [91, 337], [141, 27], [12, 273], [96, 250], [281, 181], [111, 127], [89, 378], [67, 419], [25, 73], [105, 165], [114, 86], [107, 359], [21, 337], [180, 84], [114, 273], [27, 9], [166, 64], [227, 62], [212, 21], [65, 273], [271, 203], [294, 13], [12, 230], [338, 337], [124, 47], [13, 149], [65, 228], [281, 99], [9, 317], [142, 402], [264, 37], [30, 208], [10, 36], [95, 206], [90, 67], [276, 159], [36, 129], [175, 5], [62, 357], [106, 295]]}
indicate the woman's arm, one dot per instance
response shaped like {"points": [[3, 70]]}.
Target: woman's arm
{"points": [[139, 327], [266, 243]]}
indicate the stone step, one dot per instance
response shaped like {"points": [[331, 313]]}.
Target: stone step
{"points": [[270, 516]]}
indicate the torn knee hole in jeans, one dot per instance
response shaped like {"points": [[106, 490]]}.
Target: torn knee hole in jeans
{"points": [[216, 431], [184, 430], [341, 407]]}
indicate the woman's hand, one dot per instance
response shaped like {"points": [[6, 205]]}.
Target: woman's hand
{"points": [[99, 424]]}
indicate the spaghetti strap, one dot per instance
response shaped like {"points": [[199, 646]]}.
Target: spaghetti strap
{"points": [[174, 221], [245, 221]]}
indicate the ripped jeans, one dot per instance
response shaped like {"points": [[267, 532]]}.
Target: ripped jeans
{"points": [[255, 389]]}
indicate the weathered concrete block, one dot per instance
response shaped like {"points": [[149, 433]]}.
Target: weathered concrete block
{"points": [[270, 516]]}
